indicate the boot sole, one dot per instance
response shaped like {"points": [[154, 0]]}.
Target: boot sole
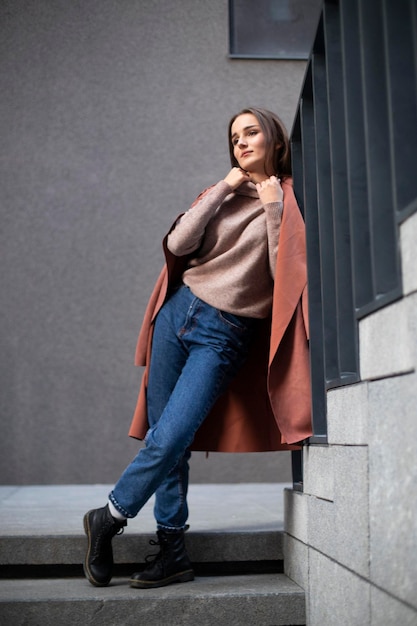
{"points": [[181, 577], [86, 569]]}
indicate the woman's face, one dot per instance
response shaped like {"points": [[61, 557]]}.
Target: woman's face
{"points": [[249, 145]]}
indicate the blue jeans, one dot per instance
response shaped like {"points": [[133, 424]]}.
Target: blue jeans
{"points": [[196, 352]]}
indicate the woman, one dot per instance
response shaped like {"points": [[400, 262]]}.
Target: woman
{"points": [[204, 331]]}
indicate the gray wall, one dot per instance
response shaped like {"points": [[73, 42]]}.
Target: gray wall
{"points": [[113, 117]]}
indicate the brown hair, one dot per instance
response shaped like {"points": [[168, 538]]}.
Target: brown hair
{"points": [[278, 155]]}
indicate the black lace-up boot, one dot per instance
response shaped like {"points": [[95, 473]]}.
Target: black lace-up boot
{"points": [[170, 565], [100, 528]]}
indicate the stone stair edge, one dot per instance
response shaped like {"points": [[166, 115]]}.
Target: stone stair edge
{"points": [[237, 600], [202, 547]]}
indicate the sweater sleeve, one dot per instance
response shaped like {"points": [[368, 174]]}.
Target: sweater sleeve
{"points": [[273, 212], [188, 231]]}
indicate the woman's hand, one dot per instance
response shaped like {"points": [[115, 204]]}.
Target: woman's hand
{"points": [[236, 177], [270, 190]]}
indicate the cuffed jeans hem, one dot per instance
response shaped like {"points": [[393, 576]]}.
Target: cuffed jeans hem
{"points": [[172, 529], [119, 508]]}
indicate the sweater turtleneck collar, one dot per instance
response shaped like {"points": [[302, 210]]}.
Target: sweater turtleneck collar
{"points": [[247, 189]]}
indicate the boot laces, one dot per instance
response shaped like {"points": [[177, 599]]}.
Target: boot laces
{"points": [[153, 558], [105, 534]]}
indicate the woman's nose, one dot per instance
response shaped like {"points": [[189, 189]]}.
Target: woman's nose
{"points": [[242, 141]]}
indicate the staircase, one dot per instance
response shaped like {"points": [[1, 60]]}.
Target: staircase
{"points": [[235, 543]]}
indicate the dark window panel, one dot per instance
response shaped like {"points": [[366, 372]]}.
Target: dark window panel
{"points": [[314, 262], [356, 161], [273, 29], [325, 232], [297, 162], [378, 149], [344, 315], [401, 55]]}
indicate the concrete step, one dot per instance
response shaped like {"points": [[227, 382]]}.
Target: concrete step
{"points": [[257, 600], [42, 525], [235, 529], [261, 549]]}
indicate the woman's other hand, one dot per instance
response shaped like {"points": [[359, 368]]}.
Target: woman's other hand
{"points": [[236, 177], [270, 190]]}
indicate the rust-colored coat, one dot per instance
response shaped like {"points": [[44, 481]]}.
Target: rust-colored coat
{"points": [[268, 405]]}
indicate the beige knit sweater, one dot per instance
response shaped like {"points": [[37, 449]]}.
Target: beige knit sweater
{"points": [[235, 241]]}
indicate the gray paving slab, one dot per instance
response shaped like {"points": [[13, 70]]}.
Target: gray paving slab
{"points": [[58, 510]]}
